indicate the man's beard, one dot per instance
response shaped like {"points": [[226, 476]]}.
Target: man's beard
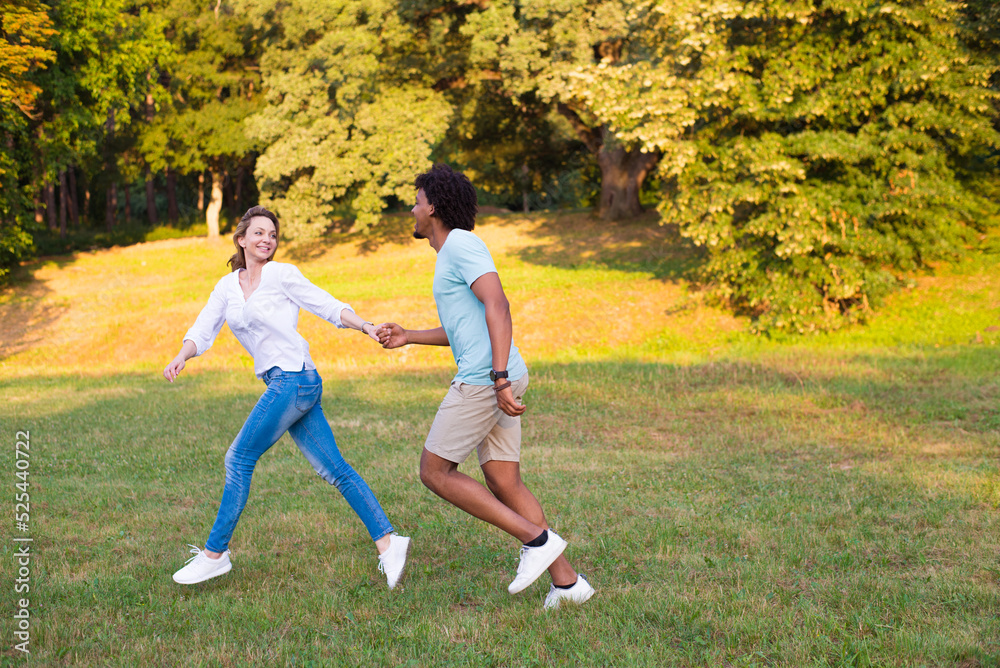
{"points": [[417, 235]]}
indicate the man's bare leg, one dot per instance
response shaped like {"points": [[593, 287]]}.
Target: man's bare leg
{"points": [[444, 479], [504, 480]]}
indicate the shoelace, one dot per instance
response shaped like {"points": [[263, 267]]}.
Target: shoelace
{"points": [[520, 563], [195, 550], [381, 560]]}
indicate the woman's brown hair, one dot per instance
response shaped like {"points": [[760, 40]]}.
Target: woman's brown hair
{"points": [[239, 259]]}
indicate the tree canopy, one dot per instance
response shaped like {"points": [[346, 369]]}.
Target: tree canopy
{"points": [[830, 147], [817, 150]]}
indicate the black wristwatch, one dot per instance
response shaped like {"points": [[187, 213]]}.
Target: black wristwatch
{"points": [[497, 374]]}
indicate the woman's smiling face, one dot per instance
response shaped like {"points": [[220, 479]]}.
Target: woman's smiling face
{"points": [[261, 240]]}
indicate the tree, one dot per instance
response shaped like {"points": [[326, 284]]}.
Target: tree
{"points": [[104, 51], [559, 53], [525, 157], [25, 34], [351, 115], [209, 91], [26, 29], [817, 150]]}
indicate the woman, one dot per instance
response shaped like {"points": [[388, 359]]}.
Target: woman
{"points": [[260, 300]]}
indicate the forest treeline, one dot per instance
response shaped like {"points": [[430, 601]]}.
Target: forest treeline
{"points": [[816, 151]]}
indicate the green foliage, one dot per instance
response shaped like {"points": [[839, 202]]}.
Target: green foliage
{"points": [[514, 152], [25, 35], [348, 120], [103, 54], [25, 28], [559, 54], [211, 85], [107, 53], [817, 150], [15, 214]]}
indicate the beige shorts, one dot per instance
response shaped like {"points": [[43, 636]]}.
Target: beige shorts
{"points": [[469, 419]]}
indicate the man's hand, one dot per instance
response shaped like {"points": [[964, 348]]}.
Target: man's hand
{"points": [[506, 402], [391, 335]]}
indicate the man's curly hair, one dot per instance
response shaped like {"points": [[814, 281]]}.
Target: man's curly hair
{"points": [[452, 195]]}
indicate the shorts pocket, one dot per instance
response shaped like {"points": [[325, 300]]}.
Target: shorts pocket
{"points": [[307, 396]]}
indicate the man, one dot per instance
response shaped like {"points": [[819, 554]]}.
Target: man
{"points": [[483, 406]]}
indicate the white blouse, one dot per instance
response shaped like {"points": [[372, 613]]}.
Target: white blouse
{"points": [[265, 324]]}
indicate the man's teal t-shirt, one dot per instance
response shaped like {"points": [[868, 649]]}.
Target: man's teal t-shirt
{"points": [[462, 259]]}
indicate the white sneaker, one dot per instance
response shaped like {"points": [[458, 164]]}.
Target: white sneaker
{"points": [[392, 561], [200, 567], [534, 561], [578, 593]]}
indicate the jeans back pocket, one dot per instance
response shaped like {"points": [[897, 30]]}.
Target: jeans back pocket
{"points": [[307, 397]]}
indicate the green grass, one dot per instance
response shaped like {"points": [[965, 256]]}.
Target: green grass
{"points": [[735, 500]]}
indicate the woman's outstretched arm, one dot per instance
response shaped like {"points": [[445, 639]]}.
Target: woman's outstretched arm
{"points": [[352, 320]]}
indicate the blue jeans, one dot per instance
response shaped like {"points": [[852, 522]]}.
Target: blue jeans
{"points": [[291, 403]]}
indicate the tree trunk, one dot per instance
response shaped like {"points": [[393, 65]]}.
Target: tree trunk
{"points": [[238, 197], [525, 181], [127, 202], [111, 208], [63, 201], [39, 201], [74, 205], [622, 174], [201, 191], [111, 201], [622, 170], [227, 187], [50, 204], [150, 199], [214, 206], [172, 212], [15, 204]]}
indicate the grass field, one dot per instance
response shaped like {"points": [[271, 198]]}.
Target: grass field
{"points": [[736, 501]]}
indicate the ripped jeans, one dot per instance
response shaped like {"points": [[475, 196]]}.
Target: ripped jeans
{"points": [[291, 403]]}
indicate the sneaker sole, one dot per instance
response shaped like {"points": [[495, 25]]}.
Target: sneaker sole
{"points": [[222, 571], [534, 576], [589, 596]]}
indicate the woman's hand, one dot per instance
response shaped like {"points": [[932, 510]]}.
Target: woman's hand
{"points": [[188, 350], [173, 369], [372, 332]]}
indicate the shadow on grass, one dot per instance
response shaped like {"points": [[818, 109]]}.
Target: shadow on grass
{"points": [[578, 239], [810, 399], [394, 228], [568, 240], [24, 315], [695, 497]]}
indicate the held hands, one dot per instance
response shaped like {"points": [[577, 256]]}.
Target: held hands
{"points": [[390, 335]]}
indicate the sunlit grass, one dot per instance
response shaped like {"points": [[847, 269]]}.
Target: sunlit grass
{"points": [[736, 500]]}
